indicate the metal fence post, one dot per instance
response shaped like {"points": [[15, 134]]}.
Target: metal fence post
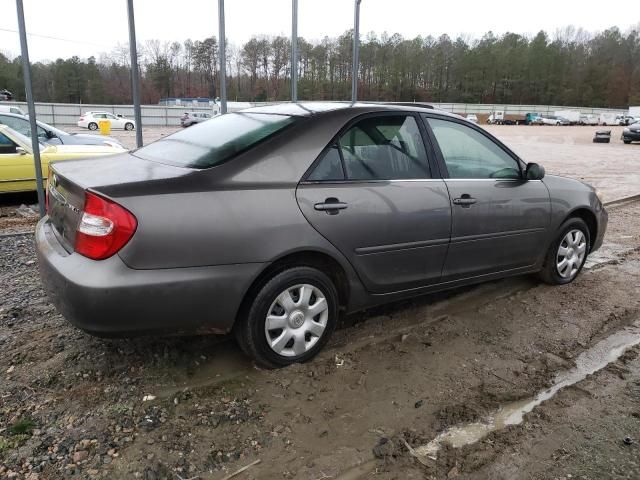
{"points": [[294, 51], [356, 48], [223, 58], [26, 69], [135, 75]]}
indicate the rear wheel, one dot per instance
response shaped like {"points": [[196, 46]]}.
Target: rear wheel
{"points": [[290, 319], [93, 126], [567, 253]]}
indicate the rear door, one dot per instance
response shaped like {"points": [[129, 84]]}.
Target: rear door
{"points": [[373, 195], [499, 220]]}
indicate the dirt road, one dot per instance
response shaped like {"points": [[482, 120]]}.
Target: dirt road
{"points": [[73, 406]]}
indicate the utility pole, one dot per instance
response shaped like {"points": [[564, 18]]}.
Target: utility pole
{"points": [[223, 58], [294, 51], [356, 49], [26, 69], [135, 75]]}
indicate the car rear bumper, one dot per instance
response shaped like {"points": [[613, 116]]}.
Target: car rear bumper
{"points": [[107, 298]]}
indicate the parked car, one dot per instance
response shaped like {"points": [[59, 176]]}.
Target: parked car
{"points": [[631, 133], [191, 118], [588, 119], [17, 170], [12, 109], [272, 221], [90, 120], [54, 136], [6, 95], [472, 118], [609, 119], [553, 120], [625, 120]]}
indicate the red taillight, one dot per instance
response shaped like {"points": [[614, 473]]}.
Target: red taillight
{"points": [[105, 227], [81, 119]]}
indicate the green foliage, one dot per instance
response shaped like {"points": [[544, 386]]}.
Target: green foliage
{"points": [[23, 426]]}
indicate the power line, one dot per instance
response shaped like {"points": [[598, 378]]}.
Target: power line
{"points": [[57, 38]]}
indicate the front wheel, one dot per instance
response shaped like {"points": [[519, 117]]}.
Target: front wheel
{"points": [[291, 318], [93, 126], [567, 253], [627, 142], [128, 126]]}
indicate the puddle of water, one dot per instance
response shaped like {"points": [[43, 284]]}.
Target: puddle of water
{"points": [[587, 363]]}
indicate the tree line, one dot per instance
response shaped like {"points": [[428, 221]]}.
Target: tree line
{"points": [[571, 68]]}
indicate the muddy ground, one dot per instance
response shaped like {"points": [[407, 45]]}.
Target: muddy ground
{"points": [[74, 406]]}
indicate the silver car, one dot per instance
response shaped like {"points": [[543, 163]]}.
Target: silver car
{"points": [[191, 118], [272, 221]]}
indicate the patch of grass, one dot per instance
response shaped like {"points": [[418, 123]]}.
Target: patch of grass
{"points": [[24, 426], [12, 442]]}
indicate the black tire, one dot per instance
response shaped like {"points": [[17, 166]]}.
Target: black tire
{"points": [[93, 126], [250, 327], [549, 272], [128, 126], [627, 142]]}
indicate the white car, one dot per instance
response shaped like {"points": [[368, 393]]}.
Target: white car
{"points": [[90, 120], [472, 118]]}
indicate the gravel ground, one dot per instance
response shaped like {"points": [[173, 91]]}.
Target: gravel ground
{"points": [[74, 406]]}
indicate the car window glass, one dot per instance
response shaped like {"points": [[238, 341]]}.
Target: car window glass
{"points": [[469, 154], [17, 124], [112, 117], [6, 145], [211, 143], [387, 147], [329, 168]]}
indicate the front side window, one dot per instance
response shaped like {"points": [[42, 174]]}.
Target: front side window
{"points": [[469, 154], [211, 143], [387, 147]]}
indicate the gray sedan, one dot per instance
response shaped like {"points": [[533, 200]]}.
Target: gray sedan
{"points": [[52, 135], [272, 221]]}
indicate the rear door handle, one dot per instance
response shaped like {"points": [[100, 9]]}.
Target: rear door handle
{"points": [[331, 205], [464, 200]]}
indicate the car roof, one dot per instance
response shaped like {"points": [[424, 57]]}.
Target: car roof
{"points": [[307, 109]]}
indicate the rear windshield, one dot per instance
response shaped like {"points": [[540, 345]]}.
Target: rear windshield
{"points": [[215, 141]]}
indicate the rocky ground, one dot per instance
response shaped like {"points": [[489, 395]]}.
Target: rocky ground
{"points": [[74, 406]]}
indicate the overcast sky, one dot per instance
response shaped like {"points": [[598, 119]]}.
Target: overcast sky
{"points": [[89, 27]]}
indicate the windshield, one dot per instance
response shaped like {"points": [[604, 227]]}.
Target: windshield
{"points": [[215, 141], [24, 139]]}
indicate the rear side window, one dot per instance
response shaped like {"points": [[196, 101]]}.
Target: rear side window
{"points": [[18, 124], [211, 143], [387, 147]]}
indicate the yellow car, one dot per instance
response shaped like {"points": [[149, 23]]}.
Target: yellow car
{"points": [[17, 169]]}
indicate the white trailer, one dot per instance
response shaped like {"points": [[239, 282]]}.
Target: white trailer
{"points": [[496, 117], [609, 119], [572, 115]]}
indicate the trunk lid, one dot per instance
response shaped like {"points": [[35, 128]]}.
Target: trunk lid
{"points": [[114, 176]]}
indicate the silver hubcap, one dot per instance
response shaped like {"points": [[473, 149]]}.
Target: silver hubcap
{"points": [[571, 253], [296, 320]]}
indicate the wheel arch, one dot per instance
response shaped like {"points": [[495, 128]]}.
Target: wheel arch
{"points": [[321, 260], [589, 218]]}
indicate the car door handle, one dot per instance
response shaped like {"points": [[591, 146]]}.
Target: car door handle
{"points": [[331, 205], [465, 200]]}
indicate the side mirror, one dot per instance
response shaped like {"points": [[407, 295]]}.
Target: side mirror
{"points": [[21, 151], [534, 171], [50, 134]]}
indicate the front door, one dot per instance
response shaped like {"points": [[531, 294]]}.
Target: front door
{"points": [[17, 171], [372, 195], [499, 220]]}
